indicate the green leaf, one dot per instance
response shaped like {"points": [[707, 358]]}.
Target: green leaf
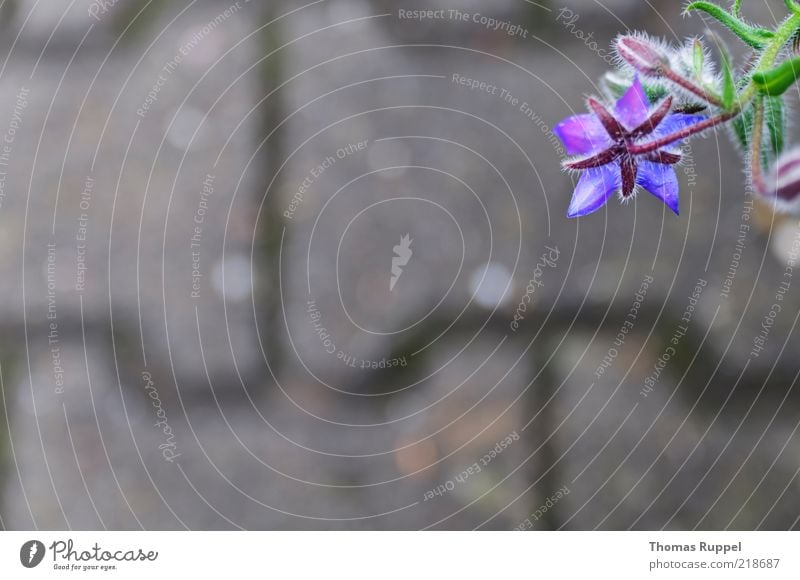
{"points": [[737, 7], [655, 92], [698, 58], [776, 81], [728, 87], [792, 5], [750, 35], [776, 125], [743, 128]]}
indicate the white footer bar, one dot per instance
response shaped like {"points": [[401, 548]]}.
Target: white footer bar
{"points": [[400, 555]]}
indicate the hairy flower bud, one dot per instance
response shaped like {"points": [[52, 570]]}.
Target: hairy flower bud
{"points": [[785, 183], [645, 56], [781, 183]]}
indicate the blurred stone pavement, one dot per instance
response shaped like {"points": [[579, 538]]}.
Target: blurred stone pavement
{"points": [[201, 207]]}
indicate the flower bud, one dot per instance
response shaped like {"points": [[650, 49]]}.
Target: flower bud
{"points": [[781, 184], [643, 55], [785, 184]]}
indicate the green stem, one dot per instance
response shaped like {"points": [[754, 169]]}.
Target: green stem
{"points": [[782, 36], [765, 62], [756, 177], [692, 88]]}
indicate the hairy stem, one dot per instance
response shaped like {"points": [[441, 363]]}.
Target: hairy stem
{"points": [[683, 133], [783, 35], [691, 87], [756, 177]]}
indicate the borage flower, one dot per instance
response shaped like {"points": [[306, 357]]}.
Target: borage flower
{"points": [[619, 151]]}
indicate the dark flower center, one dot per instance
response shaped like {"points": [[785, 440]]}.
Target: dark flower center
{"points": [[623, 141]]}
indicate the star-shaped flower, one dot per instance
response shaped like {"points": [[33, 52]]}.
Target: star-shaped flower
{"points": [[611, 150]]}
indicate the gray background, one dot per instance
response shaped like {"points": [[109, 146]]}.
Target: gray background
{"points": [[274, 432]]}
